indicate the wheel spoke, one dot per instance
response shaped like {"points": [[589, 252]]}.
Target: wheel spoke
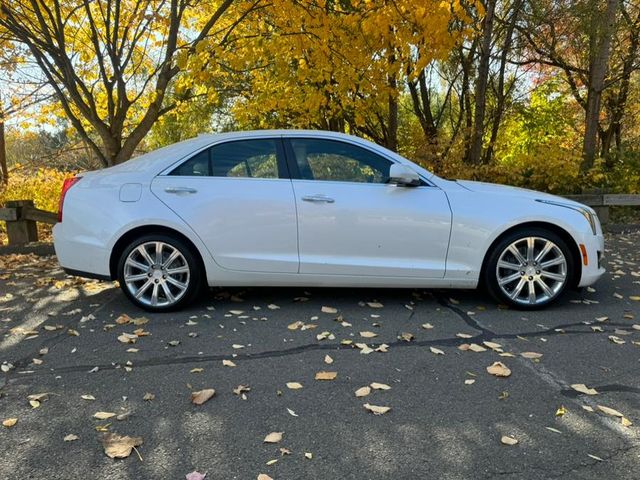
{"points": [[558, 277], [552, 263], [154, 295], [136, 278], [177, 270], [545, 250], [516, 253], [508, 265], [510, 278], [545, 287], [180, 285], [132, 263], [518, 289], [159, 246], [167, 293], [143, 251], [531, 243], [175, 254], [138, 293], [532, 291]]}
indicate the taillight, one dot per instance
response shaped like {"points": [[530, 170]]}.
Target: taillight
{"points": [[68, 183]]}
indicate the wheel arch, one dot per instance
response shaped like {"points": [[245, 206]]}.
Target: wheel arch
{"points": [[136, 232], [561, 232]]}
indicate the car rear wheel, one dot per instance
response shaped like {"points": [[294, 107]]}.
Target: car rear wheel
{"points": [[159, 273], [529, 268]]}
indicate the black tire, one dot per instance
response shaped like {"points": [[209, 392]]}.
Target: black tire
{"points": [[194, 278], [489, 276]]}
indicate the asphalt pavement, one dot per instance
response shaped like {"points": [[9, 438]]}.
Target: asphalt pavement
{"points": [[65, 338]]}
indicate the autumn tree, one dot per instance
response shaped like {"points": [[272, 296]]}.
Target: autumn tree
{"points": [[111, 63], [340, 65]]}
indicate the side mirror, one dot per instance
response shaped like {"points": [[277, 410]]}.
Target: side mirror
{"points": [[403, 176]]}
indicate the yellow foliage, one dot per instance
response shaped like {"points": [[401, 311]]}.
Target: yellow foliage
{"points": [[42, 186]]}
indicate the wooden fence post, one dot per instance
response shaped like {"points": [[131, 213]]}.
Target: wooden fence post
{"points": [[22, 230]]}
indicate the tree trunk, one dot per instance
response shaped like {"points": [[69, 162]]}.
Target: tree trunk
{"points": [[474, 155], [4, 171], [501, 94], [597, 74]]}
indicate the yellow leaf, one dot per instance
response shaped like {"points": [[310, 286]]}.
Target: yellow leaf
{"points": [[202, 396], [273, 437], [499, 369], [116, 446], [376, 409], [9, 422], [326, 375]]}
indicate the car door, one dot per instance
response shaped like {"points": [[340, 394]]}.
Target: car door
{"points": [[238, 198], [351, 222]]}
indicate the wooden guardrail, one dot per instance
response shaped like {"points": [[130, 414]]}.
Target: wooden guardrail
{"points": [[21, 215], [602, 202]]}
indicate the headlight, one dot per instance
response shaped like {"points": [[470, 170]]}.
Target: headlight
{"points": [[589, 215]]}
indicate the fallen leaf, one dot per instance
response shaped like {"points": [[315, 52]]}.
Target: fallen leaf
{"points": [[70, 438], [273, 437], [329, 310], [228, 363], [196, 370], [531, 355], [308, 455], [582, 388], [116, 446], [436, 351], [264, 476], [609, 411], [406, 336], [469, 381], [87, 397], [625, 422], [201, 396], [375, 304], [380, 386], [328, 360], [292, 413], [9, 422], [499, 369], [561, 411], [363, 391], [103, 415], [474, 347], [241, 390], [196, 476], [148, 397], [508, 440], [427, 326], [463, 335], [326, 375], [595, 457], [294, 385], [376, 409], [368, 334], [616, 340], [554, 430], [493, 346]]}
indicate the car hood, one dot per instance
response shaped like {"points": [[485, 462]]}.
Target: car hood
{"points": [[509, 191]]}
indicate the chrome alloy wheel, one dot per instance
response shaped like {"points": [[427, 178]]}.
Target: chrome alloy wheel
{"points": [[156, 274], [531, 270]]}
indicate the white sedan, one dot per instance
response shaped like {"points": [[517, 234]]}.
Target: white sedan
{"points": [[312, 208]]}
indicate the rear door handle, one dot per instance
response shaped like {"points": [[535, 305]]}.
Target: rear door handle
{"points": [[318, 199], [180, 190]]}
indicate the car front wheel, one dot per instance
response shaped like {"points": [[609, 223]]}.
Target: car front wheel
{"points": [[529, 268], [159, 273]]}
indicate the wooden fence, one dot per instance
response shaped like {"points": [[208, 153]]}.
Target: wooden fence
{"points": [[21, 215]]}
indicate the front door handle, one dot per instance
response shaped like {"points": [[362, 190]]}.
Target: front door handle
{"points": [[318, 199], [180, 190]]}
